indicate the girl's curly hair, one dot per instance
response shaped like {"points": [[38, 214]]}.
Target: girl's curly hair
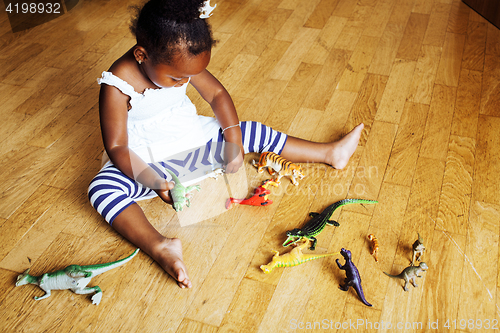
{"points": [[166, 27]]}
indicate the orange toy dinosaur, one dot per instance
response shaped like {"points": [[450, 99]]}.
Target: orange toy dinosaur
{"points": [[259, 197], [374, 246]]}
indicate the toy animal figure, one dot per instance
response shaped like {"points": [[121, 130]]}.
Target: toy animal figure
{"points": [[418, 250], [292, 258], [259, 197], [180, 193], [409, 274], [277, 164], [215, 173], [73, 277], [352, 276], [319, 222], [374, 246]]}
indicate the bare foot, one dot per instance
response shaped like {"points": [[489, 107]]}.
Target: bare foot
{"points": [[342, 150], [170, 259]]}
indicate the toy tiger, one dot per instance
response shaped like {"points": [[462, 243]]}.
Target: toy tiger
{"points": [[374, 246], [277, 164]]}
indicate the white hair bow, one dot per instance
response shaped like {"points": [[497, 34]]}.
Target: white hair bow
{"points": [[206, 10]]}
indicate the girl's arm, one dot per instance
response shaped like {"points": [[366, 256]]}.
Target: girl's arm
{"points": [[113, 114], [222, 105]]}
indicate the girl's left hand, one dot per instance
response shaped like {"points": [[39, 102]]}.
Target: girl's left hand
{"points": [[234, 158]]}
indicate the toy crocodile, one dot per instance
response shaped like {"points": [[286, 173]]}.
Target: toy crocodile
{"points": [[292, 258], [319, 222], [352, 276], [180, 193], [409, 274], [73, 277]]}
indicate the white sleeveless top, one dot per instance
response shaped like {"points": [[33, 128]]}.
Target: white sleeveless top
{"points": [[162, 122]]}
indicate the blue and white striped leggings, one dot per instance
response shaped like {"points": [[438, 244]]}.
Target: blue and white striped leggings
{"points": [[111, 191]]}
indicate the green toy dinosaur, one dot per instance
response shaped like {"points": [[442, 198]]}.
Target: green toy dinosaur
{"points": [[409, 274], [293, 258], [180, 193], [319, 222], [73, 277]]}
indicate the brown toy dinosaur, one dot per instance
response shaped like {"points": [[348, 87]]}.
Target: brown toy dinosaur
{"points": [[418, 250]]}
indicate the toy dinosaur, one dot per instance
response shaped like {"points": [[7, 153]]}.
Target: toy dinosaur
{"points": [[318, 222], [352, 276], [180, 193], [277, 164], [73, 277], [259, 197], [374, 246], [292, 258], [409, 274], [215, 173], [418, 250]]}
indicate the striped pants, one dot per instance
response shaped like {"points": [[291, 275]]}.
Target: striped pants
{"points": [[111, 191]]}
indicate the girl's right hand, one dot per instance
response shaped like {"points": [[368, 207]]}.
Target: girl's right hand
{"points": [[164, 192]]}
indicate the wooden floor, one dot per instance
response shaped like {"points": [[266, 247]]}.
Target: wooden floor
{"points": [[422, 75]]}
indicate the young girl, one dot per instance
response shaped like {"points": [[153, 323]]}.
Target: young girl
{"points": [[145, 115]]}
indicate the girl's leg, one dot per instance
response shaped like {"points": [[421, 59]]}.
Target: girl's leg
{"points": [[132, 224], [336, 154], [259, 138], [113, 195]]}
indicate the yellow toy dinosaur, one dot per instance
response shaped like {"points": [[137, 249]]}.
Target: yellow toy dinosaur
{"points": [[293, 258]]}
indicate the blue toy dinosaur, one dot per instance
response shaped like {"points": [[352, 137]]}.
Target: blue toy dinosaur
{"points": [[352, 276]]}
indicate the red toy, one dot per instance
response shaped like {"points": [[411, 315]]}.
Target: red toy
{"points": [[259, 197]]}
